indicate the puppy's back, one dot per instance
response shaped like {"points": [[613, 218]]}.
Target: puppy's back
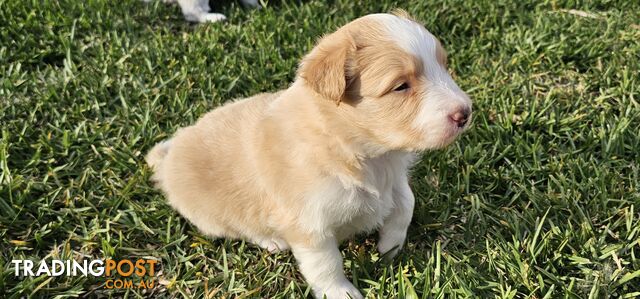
{"points": [[204, 169]]}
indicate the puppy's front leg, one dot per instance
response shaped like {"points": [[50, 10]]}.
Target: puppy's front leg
{"points": [[321, 264], [394, 230]]}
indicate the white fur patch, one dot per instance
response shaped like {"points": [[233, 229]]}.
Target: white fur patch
{"points": [[416, 40], [322, 267], [344, 208]]}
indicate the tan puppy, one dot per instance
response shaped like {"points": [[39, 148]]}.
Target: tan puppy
{"points": [[325, 159]]}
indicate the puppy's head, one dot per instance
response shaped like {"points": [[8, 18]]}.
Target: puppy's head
{"points": [[388, 77]]}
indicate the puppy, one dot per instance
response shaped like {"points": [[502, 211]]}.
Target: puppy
{"points": [[198, 10], [325, 159]]}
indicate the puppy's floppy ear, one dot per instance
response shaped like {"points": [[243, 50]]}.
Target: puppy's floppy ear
{"points": [[328, 69]]}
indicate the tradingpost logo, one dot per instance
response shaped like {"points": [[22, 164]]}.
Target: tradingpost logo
{"points": [[119, 273]]}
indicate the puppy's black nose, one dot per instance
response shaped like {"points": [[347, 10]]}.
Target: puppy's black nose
{"points": [[461, 116]]}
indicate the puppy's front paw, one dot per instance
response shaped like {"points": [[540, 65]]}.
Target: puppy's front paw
{"points": [[343, 291], [390, 243], [211, 17]]}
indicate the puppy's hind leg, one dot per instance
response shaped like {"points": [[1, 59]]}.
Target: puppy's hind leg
{"points": [[198, 11]]}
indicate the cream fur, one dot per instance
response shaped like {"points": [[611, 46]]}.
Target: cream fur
{"points": [[325, 159]]}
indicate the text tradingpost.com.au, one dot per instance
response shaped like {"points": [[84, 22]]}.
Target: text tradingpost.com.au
{"points": [[144, 269]]}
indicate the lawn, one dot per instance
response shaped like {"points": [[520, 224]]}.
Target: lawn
{"points": [[539, 199]]}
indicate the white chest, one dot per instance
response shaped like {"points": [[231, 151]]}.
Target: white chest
{"points": [[344, 208]]}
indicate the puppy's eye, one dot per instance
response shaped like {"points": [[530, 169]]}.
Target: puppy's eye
{"points": [[402, 87]]}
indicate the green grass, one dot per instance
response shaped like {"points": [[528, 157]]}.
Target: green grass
{"points": [[540, 199]]}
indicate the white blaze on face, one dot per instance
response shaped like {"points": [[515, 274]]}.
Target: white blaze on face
{"points": [[443, 96]]}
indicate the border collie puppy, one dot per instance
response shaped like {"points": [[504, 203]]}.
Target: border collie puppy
{"points": [[310, 166]]}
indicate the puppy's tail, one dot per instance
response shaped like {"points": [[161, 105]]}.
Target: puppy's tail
{"points": [[155, 157]]}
